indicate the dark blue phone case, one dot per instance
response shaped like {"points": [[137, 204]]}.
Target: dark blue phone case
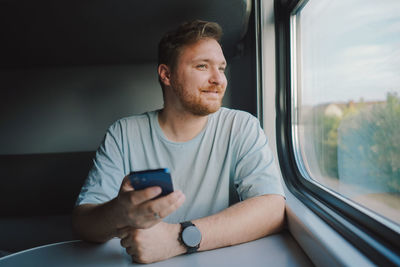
{"points": [[159, 177]]}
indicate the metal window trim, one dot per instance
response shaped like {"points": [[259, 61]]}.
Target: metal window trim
{"points": [[259, 56]]}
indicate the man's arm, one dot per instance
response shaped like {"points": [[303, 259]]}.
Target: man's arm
{"points": [[95, 222], [245, 221], [101, 222]]}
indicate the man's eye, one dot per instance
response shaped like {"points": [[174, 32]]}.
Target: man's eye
{"points": [[222, 69], [202, 66]]}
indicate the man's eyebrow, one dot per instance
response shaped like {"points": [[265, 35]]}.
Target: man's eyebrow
{"points": [[208, 61]]}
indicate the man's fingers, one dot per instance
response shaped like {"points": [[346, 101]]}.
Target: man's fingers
{"points": [[164, 206], [170, 209], [123, 232], [143, 211], [126, 185], [144, 195], [125, 243]]}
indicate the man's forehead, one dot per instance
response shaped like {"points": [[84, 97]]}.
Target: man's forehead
{"points": [[208, 50]]}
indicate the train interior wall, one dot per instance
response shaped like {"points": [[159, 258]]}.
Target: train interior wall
{"points": [[53, 118]]}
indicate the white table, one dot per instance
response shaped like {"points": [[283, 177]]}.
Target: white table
{"points": [[275, 250]]}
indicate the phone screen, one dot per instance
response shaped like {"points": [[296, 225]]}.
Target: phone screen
{"points": [[159, 177]]}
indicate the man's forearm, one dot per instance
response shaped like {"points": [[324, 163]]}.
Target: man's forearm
{"points": [[95, 222], [245, 221]]}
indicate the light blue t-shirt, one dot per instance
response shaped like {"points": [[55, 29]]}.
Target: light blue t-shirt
{"points": [[231, 147]]}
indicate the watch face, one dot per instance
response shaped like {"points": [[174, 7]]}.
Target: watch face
{"points": [[191, 236]]}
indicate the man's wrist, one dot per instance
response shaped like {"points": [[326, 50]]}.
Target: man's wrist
{"points": [[115, 209]]}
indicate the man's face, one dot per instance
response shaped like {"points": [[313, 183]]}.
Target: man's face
{"points": [[199, 80]]}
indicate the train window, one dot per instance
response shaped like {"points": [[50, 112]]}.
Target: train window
{"points": [[346, 101], [338, 116]]}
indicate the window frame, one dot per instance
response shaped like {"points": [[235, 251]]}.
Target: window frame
{"points": [[373, 236]]}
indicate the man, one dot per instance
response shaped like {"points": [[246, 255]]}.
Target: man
{"points": [[206, 147]]}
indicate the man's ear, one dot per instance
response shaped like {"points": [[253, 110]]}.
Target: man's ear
{"points": [[164, 74]]}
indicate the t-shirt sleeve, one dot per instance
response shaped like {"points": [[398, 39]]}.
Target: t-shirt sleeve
{"points": [[256, 172], [105, 177]]}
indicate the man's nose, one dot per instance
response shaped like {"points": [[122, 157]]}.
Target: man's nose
{"points": [[217, 76]]}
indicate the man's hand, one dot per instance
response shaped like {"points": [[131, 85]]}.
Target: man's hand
{"points": [[157, 243], [138, 210]]}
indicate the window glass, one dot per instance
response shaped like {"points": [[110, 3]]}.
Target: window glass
{"points": [[347, 99]]}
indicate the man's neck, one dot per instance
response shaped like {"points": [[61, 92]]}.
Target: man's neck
{"points": [[180, 127]]}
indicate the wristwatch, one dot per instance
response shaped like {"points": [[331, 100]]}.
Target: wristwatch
{"points": [[190, 236]]}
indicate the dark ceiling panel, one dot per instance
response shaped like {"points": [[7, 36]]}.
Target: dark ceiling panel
{"points": [[48, 32]]}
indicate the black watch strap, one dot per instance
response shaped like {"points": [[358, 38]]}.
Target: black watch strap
{"points": [[189, 248], [186, 224]]}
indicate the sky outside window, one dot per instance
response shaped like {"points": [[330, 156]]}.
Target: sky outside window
{"points": [[352, 50]]}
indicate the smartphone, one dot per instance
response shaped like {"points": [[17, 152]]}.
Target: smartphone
{"points": [[159, 177]]}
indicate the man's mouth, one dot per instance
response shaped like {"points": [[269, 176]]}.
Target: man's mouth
{"points": [[212, 91]]}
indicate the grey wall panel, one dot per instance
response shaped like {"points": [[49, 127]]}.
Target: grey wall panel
{"points": [[65, 32], [69, 109], [243, 81]]}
